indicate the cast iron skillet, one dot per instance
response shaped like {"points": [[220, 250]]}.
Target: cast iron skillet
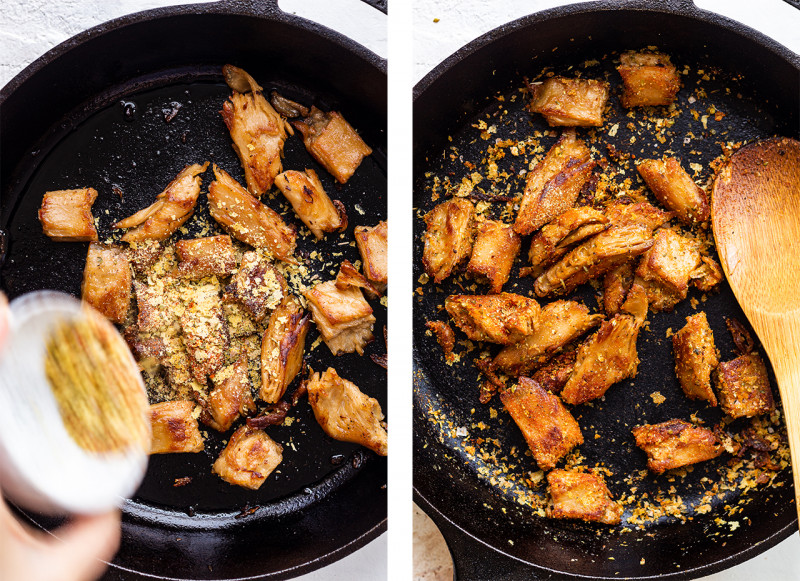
{"points": [[93, 112], [490, 535]]}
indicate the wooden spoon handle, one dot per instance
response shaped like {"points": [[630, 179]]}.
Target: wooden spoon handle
{"points": [[780, 336]]}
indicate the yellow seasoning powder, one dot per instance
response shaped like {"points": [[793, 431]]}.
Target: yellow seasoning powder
{"points": [[98, 391]]}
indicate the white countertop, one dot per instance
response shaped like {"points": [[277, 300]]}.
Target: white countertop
{"points": [[29, 28], [443, 26]]}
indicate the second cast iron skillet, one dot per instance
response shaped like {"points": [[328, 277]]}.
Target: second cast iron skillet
{"points": [[756, 82], [93, 112]]}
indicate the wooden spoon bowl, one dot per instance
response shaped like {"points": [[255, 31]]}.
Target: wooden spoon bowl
{"points": [[755, 214]]}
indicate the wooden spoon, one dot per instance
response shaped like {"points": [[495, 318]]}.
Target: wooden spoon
{"points": [[755, 214]]}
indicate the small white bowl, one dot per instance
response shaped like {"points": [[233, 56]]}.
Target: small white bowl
{"points": [[41, 467]]}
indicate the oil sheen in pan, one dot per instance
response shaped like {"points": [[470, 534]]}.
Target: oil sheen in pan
{"points": [[709, 114], [129, 151]]}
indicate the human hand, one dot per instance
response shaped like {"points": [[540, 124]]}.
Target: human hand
{"points": [[76, 551]]}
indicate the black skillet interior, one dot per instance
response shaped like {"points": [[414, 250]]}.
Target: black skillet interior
{"points": [[479, 515], [107, 127]]}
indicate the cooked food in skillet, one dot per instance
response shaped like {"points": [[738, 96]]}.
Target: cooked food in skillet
{"points": [[256, 286], [743, 383], [172, 208], [668, 267], [66, 215], [311, 203], [282, 348], [151, 306], [219, 322], [571, 102], [333, 142], [247, 219], [343, 316], [346, 413], [167, 311], [696, 357], [230, 397], [622, 213], [556, 238], [554, 185], [250, 456], [257, 130], [625, 249], [372, 243], [553, 376], [581, 495], [560, 323], [555, 250], [609, 355], [505, 318], [205, 334], [743, 386], [448, 240], [547, 425], [674, 188], [202, 257], [175, 428], [616, 284], [594, 258], [446, 338], [676, 443], [143, 255], [670, 262], [348, 276], [107, 281], [708, 274], [286, 107], [493, 253], [219, 342], [648, 79]]}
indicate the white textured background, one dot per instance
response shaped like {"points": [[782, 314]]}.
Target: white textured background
{"points": [[460, 21], [29, 28]]}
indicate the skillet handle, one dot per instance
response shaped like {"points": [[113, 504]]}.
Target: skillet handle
{"points": [[475, 561], [382, 5], [688, 6], [271, 6]]}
